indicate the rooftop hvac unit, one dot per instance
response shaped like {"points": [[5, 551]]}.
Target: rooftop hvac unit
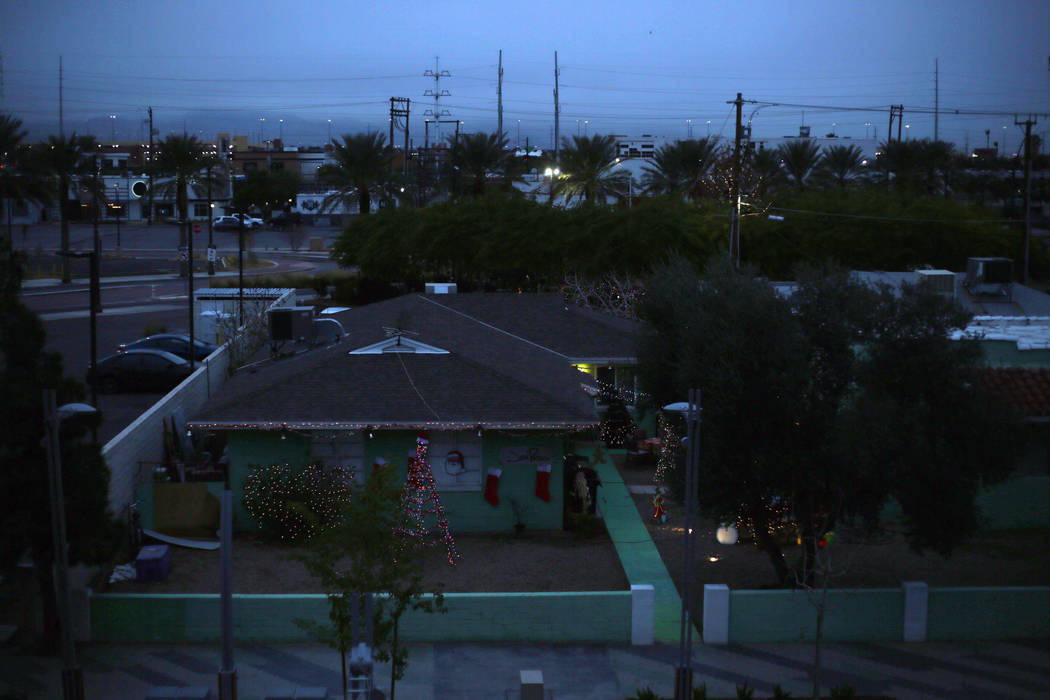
{"points": [[295, 323], [937, 281], [440, 287], [990, 277]]}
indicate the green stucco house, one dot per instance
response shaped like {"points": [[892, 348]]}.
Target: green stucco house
{"points": [[498, 382]]}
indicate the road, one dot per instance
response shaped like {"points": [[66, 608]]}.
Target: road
{"points": [[133, 304]]}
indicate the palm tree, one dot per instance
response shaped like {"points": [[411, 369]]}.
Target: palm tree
{"points": [[476, 156], [362, 166], [799, 158], [683, 167], [181, 158], [67, 159], [587, 169], [841, 163], [20, 179], [921, 165], [764, 169]]}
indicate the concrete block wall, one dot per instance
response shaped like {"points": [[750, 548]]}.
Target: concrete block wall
{"points": [[143, 440], [912, 613], [576, 617]]}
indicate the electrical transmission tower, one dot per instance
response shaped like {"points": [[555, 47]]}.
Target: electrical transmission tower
{"points": [[437, 93], [399, 107]]}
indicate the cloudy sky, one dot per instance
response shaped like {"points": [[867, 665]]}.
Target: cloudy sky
{"points": [[658, 67]]}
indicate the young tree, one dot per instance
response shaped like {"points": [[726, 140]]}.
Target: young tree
{"points": [[365, 554], [25, 371], [852, 396]]}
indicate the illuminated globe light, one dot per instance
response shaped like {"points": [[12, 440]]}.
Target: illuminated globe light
{"points": [[726, 534]]}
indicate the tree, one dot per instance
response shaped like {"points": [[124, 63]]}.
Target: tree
{"points": [[919, 167], [181, 158], [475, 158], [25, 371], [67, 160], [20, 176], [853, 397], [363, 555], [682, 168], [840, 164], [587, 169], [361, 168], [267, 190], [799, 158]]}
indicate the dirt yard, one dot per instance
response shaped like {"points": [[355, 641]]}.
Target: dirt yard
{"points": [[536, 561], [563, 561]]}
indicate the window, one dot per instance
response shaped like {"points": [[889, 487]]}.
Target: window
{"points": [[200, 209], [154, 363]]}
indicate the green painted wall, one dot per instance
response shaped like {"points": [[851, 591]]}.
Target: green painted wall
{"points": [[790, 616], [467, 511], [574, 617], [144, 496], [1006, 612], [1004, 353], [1018, 503]]}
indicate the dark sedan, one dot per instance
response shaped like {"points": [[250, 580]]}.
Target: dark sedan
{"points": [[175, 343], [140, 371]]}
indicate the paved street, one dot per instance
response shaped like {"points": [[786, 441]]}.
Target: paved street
{"points": [[931, 671]]}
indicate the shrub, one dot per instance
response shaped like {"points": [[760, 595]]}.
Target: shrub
{"points": [[645, 693], [780, 693], [617, 426], [843, 692], [294, 504], [744, 692]]}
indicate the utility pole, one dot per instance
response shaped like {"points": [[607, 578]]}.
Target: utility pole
{"points": [[557, 111], [734, 224], [499, 97], [889, 132], [399, 109], [149, 170], [936, 99], [1027, 192], [61, 130], [900, 120], [437, 93]]}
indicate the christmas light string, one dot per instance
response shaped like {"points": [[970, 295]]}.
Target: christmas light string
{"points": [[420, 500]]}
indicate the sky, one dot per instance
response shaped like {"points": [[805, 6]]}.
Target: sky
{"points": [[657, 67]]}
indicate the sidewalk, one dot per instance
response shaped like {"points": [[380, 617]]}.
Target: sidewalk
{"points": [[984, 670]]}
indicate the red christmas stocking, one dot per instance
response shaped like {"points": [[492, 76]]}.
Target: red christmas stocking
{"points": [[492, 486], [543, 482]]}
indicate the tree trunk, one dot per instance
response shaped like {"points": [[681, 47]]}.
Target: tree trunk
{"points": [[364, 201], [393, 664], [769, 545]]}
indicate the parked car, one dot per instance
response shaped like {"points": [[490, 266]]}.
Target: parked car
{"points": [[139, 370], [176, 343], [249, 221], [225, 223]]}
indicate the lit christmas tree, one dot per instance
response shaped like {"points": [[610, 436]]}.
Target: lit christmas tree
{"points": [[421, 504]]}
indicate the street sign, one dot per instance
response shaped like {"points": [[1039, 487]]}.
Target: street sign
{"points": [[211, 254], [196, 228], [184, 253]]}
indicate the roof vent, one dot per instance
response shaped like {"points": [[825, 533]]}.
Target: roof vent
{"points": [[990, 277], [440, 287]]}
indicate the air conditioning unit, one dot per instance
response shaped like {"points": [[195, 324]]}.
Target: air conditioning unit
{"points": [[937, 281], [440, 287], [990, 277], [292, 323]]}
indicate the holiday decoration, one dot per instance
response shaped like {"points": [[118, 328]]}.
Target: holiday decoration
{"points": [[492, 486], [668, 445], [617, 427], [543, 482], [659, 511], [421, 504], [294, 504], [727, 534]]}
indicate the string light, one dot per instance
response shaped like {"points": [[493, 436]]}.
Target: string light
{"points": [[665, 462], [275, 496], [420, 502]]}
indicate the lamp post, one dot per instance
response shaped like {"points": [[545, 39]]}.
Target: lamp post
{"points": [[72, 674], [113, 127], [280, 130], [116, 210], [683, 674], [551, 174], [329, 131], [227, 672]]}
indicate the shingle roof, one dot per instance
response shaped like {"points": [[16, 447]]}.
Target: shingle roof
{"points": [[501, 369], [1026, 389]]}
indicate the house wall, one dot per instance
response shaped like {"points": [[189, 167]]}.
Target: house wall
{"points": [[1004, 353], [467, 510]]}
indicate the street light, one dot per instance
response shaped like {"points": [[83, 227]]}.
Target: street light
{"points": [[683, 675], [329, 131], [72, 674], [113, 126], [280, 129], [551, 174]]}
